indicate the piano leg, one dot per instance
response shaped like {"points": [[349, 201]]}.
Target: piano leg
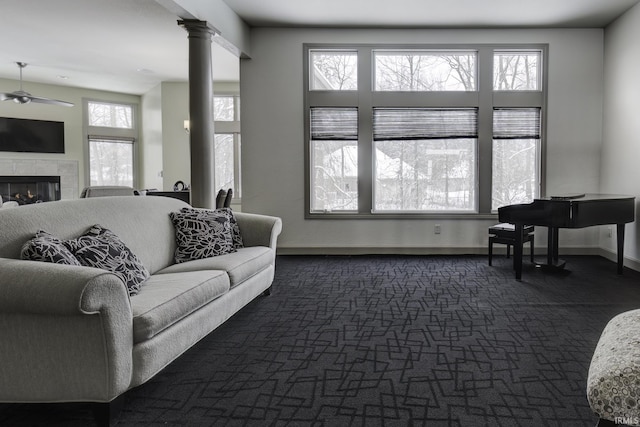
{"points": [[550, 245], [553, 246], [620, 247], [517, 251], [553, 259]]}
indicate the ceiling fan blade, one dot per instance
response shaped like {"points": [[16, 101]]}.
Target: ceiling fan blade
{"points": [[22, 97], [50, 101]]}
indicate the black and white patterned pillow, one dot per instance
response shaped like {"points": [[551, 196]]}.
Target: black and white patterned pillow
{"points": [[99, 247], [201, 234], [235, 229], [48, 248]]}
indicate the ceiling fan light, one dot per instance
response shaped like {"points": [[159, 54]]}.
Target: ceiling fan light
{"points": [[22, 99]]}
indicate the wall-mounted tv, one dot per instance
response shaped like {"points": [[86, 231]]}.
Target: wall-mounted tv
{"points": [[31, 136]]}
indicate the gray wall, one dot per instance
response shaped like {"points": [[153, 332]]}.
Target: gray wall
{"points": [[621, 149], [273, 140]]}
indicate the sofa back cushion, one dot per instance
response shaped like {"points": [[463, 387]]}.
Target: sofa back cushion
{"points": [[141, 222]]}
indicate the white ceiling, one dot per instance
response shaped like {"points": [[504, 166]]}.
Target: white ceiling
{"points": [[431, 13], [130, 46]]}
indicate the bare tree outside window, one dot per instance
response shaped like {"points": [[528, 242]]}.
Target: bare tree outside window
{"points": [[334, 159], [335, 176], [333, 70], [110, 115], [421, 71], [425, 175], [111, 162], [224, 161], [515, 175], [516, 147], [224, 108], [514, 71]]}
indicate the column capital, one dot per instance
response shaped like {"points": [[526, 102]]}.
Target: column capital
{"points": [[196, 27]]}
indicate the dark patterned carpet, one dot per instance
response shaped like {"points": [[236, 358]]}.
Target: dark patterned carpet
{"points": [[388, 341]]}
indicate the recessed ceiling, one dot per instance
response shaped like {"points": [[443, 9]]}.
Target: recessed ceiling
{"points": [[130, 46], [431, 13]]}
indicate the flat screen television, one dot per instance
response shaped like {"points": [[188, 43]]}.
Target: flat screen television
{"points": [[31, 136]]}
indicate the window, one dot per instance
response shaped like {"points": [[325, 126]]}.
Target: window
{"points": [[516, 70], [111, 161], [417, 71], [334, 159], [397, 130], [226, 115], [110, 115], [333, 70], [111, 136], [516, 150], [425, 159]]}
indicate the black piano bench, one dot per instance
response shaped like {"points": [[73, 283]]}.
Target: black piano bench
{"points": [[506, 234]]}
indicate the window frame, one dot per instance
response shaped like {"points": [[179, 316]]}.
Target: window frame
{"points": [[125, 135], [365, 98]]}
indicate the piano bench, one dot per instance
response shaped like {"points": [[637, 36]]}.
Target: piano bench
{"points": [[506, 234]]}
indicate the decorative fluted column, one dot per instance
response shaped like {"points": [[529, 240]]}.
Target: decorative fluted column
{"points": [[201, 113]]}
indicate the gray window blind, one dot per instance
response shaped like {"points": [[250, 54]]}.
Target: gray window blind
{"points": [[516, 123], [424, 123], [332, 124]]}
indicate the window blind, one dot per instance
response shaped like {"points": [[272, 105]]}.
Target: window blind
{"points": [[116, 139], [424, 123], [516, 123], [332, 124]]}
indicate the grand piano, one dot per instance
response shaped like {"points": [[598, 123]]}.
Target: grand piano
{"points": [[571, 211]]}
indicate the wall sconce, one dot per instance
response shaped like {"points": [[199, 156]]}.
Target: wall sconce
{"points": [[186, 126]]}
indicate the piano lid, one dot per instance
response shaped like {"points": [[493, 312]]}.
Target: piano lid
{"points": [[583, 211], [587, 197]]}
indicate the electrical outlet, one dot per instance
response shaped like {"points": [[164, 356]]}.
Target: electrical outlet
{"points": [[609, 232], [437, 229]]}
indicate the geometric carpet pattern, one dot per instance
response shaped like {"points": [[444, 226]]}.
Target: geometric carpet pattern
{"points": [[388, 341]]}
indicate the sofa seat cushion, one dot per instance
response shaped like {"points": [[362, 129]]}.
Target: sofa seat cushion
{"points": [[167, 298], [240, 265]]}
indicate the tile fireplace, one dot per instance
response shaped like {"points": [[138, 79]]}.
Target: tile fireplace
{"points": [[29, 189]]}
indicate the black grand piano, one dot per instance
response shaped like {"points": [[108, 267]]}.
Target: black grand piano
{"points": [[570, 211]]}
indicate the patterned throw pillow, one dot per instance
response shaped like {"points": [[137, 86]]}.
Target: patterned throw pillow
{"points": [[99, 247], [48, 248], [201, 234], [235, 230]]}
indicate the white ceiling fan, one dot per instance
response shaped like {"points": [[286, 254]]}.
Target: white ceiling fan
{"points": [[22, 97]]}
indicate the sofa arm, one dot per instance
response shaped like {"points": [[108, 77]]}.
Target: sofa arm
{"points": [[259, 230], [66, 333]]}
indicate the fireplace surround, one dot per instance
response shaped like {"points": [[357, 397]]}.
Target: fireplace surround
{"points": [[29, 189]]}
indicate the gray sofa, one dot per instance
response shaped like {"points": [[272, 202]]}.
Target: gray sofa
{"points": [[73, 333]]}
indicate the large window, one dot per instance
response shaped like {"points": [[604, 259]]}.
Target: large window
{"points": [[111, 135], [226, 115], [394, 130]]}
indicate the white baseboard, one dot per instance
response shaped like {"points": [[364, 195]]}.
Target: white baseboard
{"points": [[633, 264]]}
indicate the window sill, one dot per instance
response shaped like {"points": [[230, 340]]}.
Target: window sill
{"points": [[397, 216]]}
